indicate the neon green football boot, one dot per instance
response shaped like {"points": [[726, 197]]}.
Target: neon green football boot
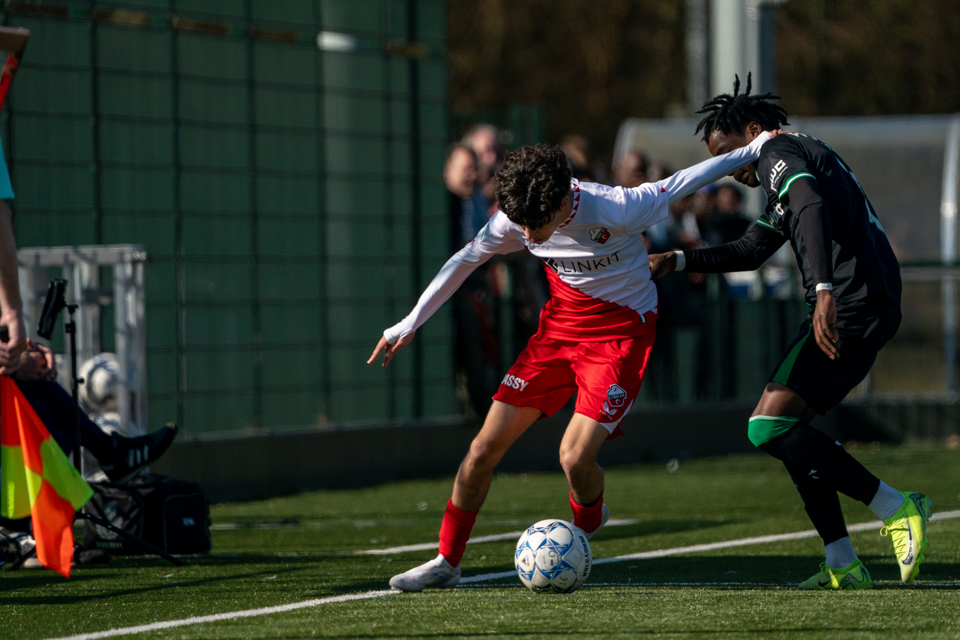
{"points": [[854, 576], [908, 531]]}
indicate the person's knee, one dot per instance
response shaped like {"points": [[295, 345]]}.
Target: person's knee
{"points": [[483, 455], [574, 460], [763, 429]]}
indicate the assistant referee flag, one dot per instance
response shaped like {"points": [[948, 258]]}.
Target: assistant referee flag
{"points": [[37, 479]]}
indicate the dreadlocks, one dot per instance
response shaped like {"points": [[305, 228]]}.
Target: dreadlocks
{"points": [[731, 114]]}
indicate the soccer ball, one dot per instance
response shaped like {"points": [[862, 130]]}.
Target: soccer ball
{"points": [[553, 556], [99, 389]]}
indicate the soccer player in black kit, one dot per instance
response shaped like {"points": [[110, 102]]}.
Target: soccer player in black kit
{"points": [[852, 280]]}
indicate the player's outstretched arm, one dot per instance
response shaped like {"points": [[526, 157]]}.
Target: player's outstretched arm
{"points": [[745, 254], [686, 181], [498, 236], [389, 350]]}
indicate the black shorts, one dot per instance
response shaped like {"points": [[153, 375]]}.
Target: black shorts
{"points": [[864, 329]]}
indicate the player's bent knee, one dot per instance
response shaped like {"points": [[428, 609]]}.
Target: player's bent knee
{"points": [[763, 429], [482, 454], [575, 461]]}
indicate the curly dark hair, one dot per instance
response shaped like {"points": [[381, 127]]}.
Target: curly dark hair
{"points": [[732, 113], [533, 183]]}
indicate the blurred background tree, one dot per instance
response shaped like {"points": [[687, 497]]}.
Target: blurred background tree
{"points": [[625, 58]]}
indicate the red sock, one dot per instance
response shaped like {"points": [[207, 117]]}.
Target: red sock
{"points": [[587, 517], [455, 531]]}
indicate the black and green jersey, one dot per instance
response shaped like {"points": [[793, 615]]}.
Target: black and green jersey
{"points": [[815, 202]]}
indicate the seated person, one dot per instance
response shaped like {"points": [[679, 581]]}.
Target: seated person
{"points": [[119, 457]]}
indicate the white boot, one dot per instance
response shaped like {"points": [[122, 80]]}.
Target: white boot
{"points": [[436, 574]]}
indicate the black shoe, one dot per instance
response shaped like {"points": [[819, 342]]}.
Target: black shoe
{"points": [[130, 455], [17, 549], [83, 555]]}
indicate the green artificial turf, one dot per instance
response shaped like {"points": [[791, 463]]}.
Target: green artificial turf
{"points": [[296, 548]]}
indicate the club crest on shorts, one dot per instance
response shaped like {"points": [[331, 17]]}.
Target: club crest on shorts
{"points": [[599, 234], [616, 395]]}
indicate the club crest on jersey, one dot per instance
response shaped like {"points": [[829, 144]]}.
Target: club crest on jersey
{"points": [[599, 234], [616, 395], [776, 173]]}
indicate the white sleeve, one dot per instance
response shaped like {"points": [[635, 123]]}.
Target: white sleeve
{"points": [[686, 181], [644, 206], [496, 237]]}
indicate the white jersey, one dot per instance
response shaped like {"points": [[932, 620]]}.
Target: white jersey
{"points": [[596, 263]]}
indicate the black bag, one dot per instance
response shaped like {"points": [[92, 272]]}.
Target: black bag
{"points": [[169, 513]]}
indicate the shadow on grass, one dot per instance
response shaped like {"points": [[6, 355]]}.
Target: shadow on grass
{"points": [[744, 572], [659, 527], [26, 582]]}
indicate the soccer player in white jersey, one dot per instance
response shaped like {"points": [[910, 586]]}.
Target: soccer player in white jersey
{"points": [[595, 332]]}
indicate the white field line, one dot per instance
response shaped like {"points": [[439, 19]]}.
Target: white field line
{"points": [[233, 615], [713, 546], [249, 613], [497, 537]]}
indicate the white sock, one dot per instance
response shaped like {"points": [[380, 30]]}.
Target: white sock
{"points": [[840, 553], [887, 502]]}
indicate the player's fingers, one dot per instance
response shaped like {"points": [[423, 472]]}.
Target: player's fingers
{"points": [[822, 337], [376, 352], [388, 354]]}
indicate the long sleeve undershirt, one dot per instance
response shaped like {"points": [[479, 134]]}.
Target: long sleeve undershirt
{"points": [[451, 275], [744, 254], [687, 181], [461, 264], [805, 213]]}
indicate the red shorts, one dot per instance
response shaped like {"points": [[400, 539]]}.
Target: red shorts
{"points": [[606, 374]]}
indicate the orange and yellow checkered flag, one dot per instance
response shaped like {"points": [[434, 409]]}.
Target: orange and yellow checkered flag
{"points": [[37, 479]]}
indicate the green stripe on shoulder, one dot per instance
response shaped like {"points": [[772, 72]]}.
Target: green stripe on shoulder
{"points": [[786, 185]]}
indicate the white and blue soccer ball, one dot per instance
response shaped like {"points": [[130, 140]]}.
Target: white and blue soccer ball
{"points": [[100, 375], [553, 556]]}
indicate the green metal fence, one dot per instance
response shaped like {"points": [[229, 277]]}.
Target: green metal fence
{"points": [[280, 160]]}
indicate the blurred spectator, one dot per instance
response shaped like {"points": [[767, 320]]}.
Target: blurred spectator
{"points": [[474, 302], [582, 163], [733, 222], [657, 171], [631, 170], [484, 139], [467, 205]]}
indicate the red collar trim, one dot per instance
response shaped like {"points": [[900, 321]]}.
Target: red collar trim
{"points": [[576, 203]]}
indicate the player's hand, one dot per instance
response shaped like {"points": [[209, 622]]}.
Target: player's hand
{"points": [[825, 324], [388, 349], [776, 132], [661, 264], [16, 341]]}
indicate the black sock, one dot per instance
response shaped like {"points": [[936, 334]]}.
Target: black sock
{"points": [[822, 458], [821, 504]]}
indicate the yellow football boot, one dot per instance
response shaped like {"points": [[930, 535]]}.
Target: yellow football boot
{"points": [[908, 531], [854, 576]]}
